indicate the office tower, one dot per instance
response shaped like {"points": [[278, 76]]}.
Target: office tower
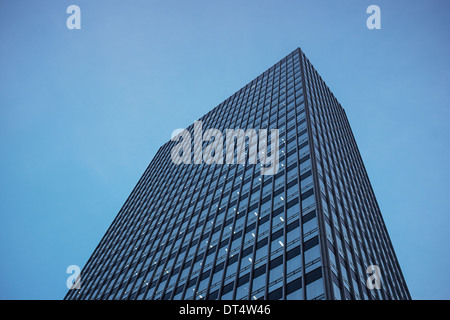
{"points": [[225, 231]]}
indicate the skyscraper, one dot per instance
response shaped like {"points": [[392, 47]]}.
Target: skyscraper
{"points": [[311, 229]]}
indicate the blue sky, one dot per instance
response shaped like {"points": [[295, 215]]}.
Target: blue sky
{"points": [[82, 112]]}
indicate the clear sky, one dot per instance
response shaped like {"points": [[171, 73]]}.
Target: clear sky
{"points": [[82, 113]]}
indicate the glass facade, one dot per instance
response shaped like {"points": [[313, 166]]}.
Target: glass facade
{"points": [[225, 231]]}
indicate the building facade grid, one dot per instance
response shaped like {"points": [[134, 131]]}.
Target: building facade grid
{"points": [[224, 231]]}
